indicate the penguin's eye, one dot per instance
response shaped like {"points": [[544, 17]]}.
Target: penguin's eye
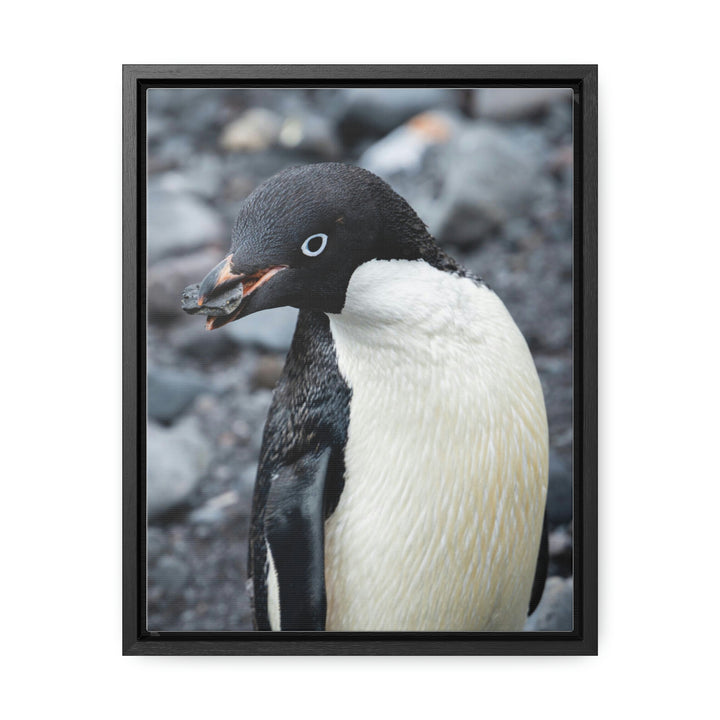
{"points": [[314, 245]]}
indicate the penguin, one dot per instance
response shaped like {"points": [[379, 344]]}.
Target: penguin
{"points": [[403, 473]]}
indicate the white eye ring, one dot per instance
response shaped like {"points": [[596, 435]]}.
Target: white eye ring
{"points": [[306, 245]]}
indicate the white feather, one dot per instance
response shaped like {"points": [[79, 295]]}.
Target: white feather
{"points": [[273, 591], [439, 522]]}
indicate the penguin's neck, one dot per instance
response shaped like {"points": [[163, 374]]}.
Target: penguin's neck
{"points": [[412, 326], [386, 299]]}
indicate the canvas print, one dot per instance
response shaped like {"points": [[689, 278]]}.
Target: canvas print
{"points": [[359, 359]]}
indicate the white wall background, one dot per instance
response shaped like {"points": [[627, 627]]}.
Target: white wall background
{"points": [[60, 229]]}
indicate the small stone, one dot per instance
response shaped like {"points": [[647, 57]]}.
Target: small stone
{"points": [[179, 223], [255, 130], [224, 473], [374, 112], [213, 511], [169, 392], [310, 134], [177, 458], [489, 178], [193, 341], [170, 575], [201, 176], [226, 440], [559, 542], [242, 431], [555, 611], [404, 148], [168, 152]]}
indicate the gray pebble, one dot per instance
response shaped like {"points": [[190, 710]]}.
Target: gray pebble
{"points": [[177, 458], [555, 611]]}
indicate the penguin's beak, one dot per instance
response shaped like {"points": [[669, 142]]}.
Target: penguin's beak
{"points": [[220, 281], [223, 292]]}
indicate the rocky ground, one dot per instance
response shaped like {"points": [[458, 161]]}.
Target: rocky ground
{"points": [[489, 171]]}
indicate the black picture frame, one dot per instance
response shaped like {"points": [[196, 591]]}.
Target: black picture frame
{"points": [[582, 640]]}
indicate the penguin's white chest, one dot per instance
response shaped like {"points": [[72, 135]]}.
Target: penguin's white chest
{"points": [[439, 522]]}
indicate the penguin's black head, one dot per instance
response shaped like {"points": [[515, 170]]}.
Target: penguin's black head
{"points": [[299, 237]]}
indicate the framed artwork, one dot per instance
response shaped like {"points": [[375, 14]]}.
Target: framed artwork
{"points": [[388, 442]]}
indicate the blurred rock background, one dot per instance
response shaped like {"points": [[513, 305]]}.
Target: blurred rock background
{"points": [[489, 171]]}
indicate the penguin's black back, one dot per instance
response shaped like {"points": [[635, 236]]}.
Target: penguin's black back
{"points": [[309, 412]]}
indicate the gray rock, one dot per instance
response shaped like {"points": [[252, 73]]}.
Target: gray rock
{"points": [[201, 174], [560, 491], [167, 278], [168, 152], [170, 576], [256, 129], [192, 340], [489, 178], [555, 610], [199, 112], [517, 103], [404, 148], [268, 330], [310, 134], [243, 433], [559, 542], [374, 112], [177, 458], [215, 509], [179, 222], [170, 392]]}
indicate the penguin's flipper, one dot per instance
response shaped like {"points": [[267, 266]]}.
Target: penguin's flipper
{"points": [[299, 481], [294, 536], [540, 569]]}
